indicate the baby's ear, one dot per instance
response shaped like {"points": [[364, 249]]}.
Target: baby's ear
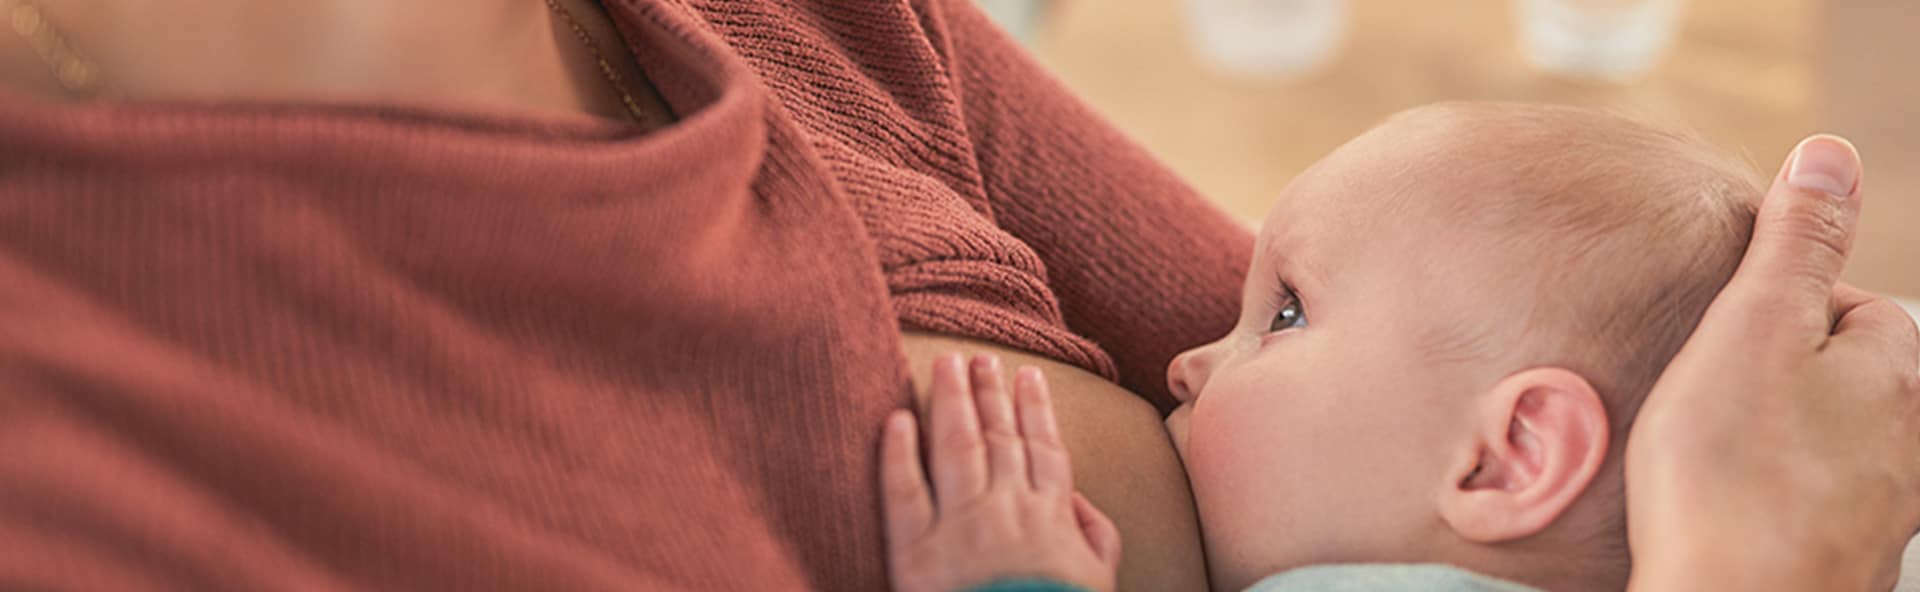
{"points": [[1539, 439]]}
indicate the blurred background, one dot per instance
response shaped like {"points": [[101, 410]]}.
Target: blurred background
{"points": [[1228, 94]]}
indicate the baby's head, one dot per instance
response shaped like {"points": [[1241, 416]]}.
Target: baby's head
{"points": [[1447, 328]]}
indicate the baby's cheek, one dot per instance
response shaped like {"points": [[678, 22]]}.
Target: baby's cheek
{"points": [[1234, 486], [1220, 444], [1239, 428]]}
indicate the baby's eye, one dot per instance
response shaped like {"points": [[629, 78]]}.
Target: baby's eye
{"points": [[1291, 314]]}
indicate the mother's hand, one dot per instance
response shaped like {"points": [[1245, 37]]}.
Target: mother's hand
{"points": [[1781, 448]]}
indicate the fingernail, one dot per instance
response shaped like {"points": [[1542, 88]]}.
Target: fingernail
{"points": [[1825, 163], [986, 363]]}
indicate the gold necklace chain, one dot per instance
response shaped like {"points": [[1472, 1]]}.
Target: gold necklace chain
{"points": [[75, 72], [606, 68], [82, 76]]}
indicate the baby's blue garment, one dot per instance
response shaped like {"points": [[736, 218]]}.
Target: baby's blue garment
{"points": [[1357, 577], [1027, 586], [1384, 577]]}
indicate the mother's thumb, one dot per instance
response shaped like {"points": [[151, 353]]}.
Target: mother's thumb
{"points": [[1801, 236]]}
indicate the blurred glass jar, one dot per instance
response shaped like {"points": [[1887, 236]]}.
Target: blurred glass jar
{"points": [[1267, 38], [1022, 18], [1614, 40]]}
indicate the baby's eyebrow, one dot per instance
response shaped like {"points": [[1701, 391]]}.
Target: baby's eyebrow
{"points": [[1283, 251]]}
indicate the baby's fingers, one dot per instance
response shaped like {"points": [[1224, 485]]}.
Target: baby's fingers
{"points": [[1006, 454], [1099, 530], [908, 507], [958, 455], [1047, 459]]}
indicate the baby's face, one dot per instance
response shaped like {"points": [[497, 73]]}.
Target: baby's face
{"points": [[1319, 429]]}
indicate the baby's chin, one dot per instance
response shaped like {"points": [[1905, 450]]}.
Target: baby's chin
{"points": [[1177, 428]]}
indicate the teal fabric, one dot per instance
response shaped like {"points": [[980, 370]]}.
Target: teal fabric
{"points": [[1359, 577], [1027, 586], [1384, 577]]}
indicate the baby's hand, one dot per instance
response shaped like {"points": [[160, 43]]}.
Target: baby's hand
{"points": [[1003, 505]]}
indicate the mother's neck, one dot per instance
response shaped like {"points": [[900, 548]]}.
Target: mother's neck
{"points": [[500, 53]]}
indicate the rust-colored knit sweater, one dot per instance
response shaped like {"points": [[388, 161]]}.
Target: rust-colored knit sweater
{"points": [[291, 346]]}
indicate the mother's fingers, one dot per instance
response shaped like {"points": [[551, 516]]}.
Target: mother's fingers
{"points": [[1801, 238], [1882, 340], [1847, 297], [1879, 325]]}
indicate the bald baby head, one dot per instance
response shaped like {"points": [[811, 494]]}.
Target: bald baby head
{"points": [[1604, 239], [1615, 234]]}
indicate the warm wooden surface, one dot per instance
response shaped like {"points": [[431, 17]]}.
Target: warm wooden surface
{"points": [[1870, 68], [1747, 74]]}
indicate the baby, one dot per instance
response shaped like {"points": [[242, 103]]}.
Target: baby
{"points": [[1447, 329]]}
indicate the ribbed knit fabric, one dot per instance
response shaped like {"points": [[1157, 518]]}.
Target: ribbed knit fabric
{"points": [[301, 347]]}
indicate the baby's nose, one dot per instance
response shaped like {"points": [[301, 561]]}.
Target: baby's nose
{"points": [[1188, 374]]}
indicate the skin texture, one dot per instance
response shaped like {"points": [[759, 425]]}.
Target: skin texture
{"points": [[422, 54], [1701, 453], [487, 56], [1795, 397], [1122, 462], [1728, 498], [1336, 431], [1327, 413]]}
